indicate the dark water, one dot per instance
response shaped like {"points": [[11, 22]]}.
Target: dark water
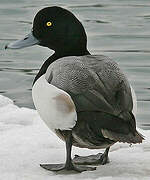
{"points": [[118, 29]]}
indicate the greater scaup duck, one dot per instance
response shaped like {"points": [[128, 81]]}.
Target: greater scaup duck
{"points": [[85, 99]]}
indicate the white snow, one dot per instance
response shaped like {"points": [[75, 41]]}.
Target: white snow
{"points": [[25, 142]]}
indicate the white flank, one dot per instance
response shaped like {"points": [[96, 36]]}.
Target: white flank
{"points": [[54, 105]]}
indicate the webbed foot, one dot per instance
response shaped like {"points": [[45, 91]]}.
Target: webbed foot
{"points": [[63, 167], [98, 159], [87, 160]]}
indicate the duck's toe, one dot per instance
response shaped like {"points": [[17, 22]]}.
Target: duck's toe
{"points": [[53, 167]]}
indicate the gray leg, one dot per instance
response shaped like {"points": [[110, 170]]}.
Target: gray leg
{"points": [[104, 157], [69, 165], [92, 159]]}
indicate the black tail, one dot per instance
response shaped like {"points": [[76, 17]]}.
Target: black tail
{"points": [[125, 138], [120, 128]]}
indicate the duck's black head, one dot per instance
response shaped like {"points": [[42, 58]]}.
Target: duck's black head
{"points": [[57, 29], [60, 30]]}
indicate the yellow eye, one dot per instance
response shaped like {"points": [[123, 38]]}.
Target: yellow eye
{"points": [[49, 23]]}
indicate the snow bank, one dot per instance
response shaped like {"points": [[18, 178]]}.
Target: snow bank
{"points": [[25, 142]]}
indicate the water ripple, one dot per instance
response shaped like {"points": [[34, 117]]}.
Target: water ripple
{"points": [[95, 21], [88, 6], [127, 51]]}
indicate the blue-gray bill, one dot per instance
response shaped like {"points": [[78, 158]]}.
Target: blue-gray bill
{"points": [[27, 41]]}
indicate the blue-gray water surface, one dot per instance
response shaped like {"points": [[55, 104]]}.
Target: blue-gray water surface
{"points": [[118, 29]]}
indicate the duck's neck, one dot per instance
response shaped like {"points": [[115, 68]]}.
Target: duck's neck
{"points": [[53, 58]]}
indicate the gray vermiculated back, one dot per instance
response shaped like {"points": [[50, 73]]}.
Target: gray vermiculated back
{"points": [[97, 77]]}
